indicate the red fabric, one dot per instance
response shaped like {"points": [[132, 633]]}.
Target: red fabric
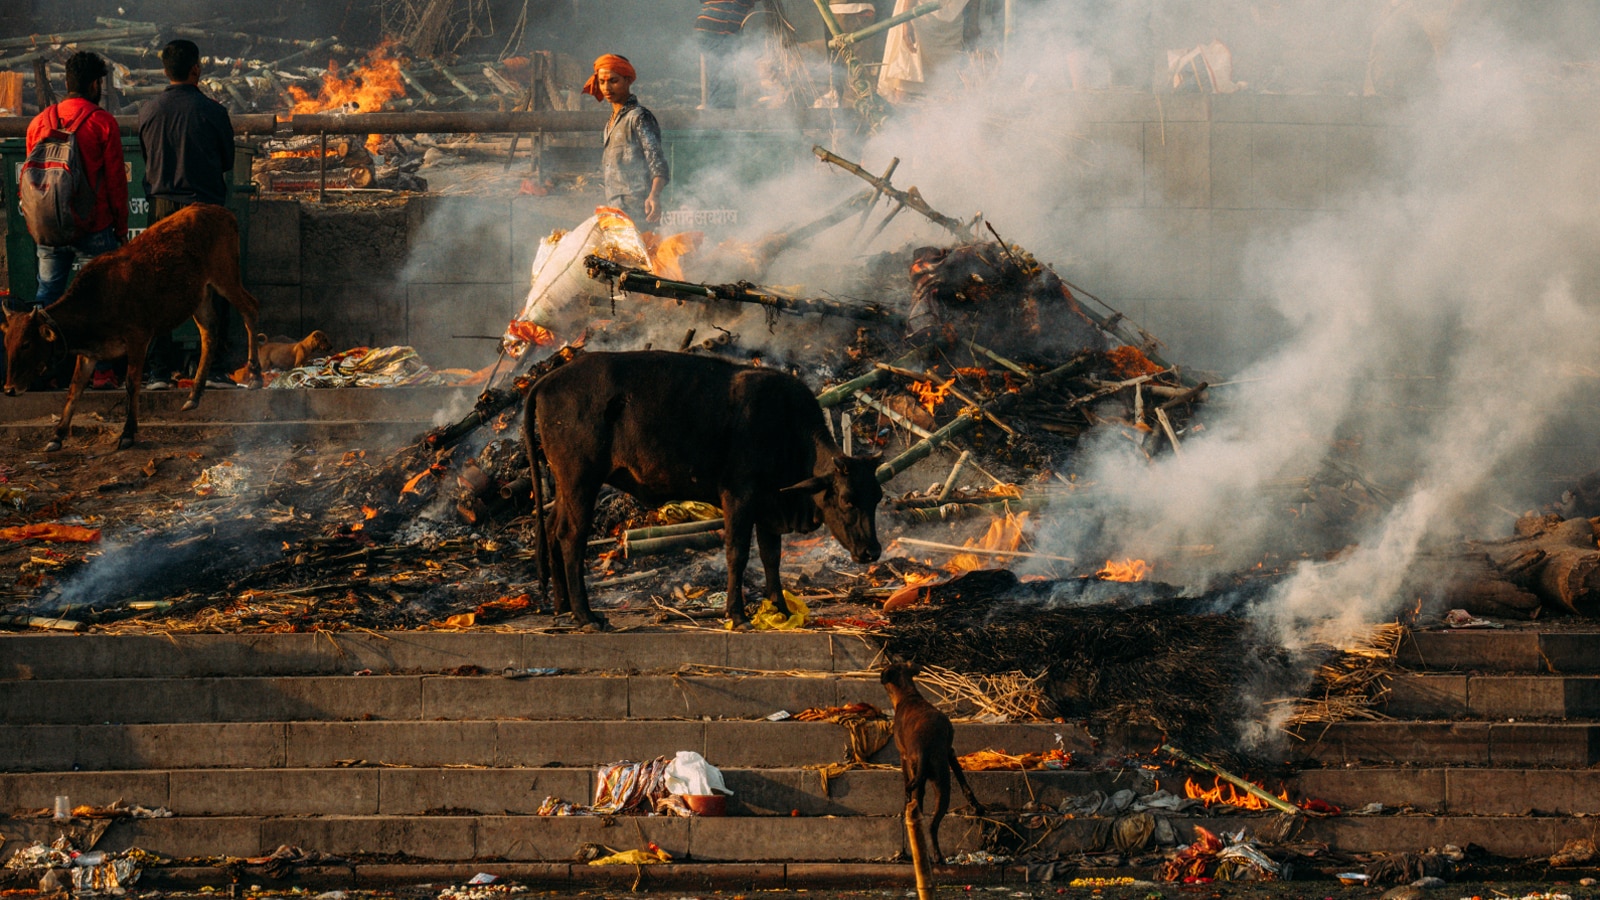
{"points": [[100, 143], [617, 64]]}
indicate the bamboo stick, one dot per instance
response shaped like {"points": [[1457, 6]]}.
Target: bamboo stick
{"points": [[955, 472], [655, 531], [1277, 803], [702, 540], [969, 417], [854, 37], [88, 34], [891, 415], [428, 96], [838, 393], [999, 359], [455, 81], [954, 392], [978, 551], [44, 622]]}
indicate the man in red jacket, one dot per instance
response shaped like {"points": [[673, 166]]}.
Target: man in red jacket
{"points": [[100, 145]]}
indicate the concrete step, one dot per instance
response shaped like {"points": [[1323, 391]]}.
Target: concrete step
{"points": [[1496, 744], [423, 697], [48, 656], [417, 405], [493, 743], [1514, 697], [420, 791], [1458, 791], [1565, 652], [751, 839], [163, 433]]}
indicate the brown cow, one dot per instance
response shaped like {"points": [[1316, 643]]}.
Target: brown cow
{"points": [[926, 741], [671, 426], [123, 299]]}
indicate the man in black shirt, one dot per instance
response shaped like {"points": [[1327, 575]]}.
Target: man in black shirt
{"points": [[187, 140]]}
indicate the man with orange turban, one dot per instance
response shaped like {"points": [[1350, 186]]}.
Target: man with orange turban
{"points": [[632, 165]]}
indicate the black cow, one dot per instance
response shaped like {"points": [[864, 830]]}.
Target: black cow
{"points": [[671, 426]]}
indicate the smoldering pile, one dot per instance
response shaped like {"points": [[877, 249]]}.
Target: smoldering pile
{"points": [[1114, 653]]}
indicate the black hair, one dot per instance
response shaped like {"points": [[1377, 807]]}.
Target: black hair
{"points": [[178, 59], [84, 69]]}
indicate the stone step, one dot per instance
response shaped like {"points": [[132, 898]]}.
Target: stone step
{"points": [[493, 743], [1513, 697], [50, 656], [1458, 791], [1497, 744], [420, 791], [1565, 652], [157, 434], [423, 697], [575, 877], [371, 791], [756, 838], [421, 405]]}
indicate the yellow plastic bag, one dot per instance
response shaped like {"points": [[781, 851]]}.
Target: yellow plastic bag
{"points": [[633, 858], [768, 618]]}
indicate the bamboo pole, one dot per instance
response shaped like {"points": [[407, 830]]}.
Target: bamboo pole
{"points": [[979, 551], [1277, 803], [844, 40], [655, 531], [977, 348], [701, 540], [919, 851], [840, 392]]}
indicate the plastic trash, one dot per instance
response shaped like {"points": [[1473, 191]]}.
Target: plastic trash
{"points": [[561, 284], [689, 773], [780, 715], [483, 878]]}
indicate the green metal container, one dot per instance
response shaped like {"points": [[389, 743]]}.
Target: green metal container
{"points": [[20, 257]]}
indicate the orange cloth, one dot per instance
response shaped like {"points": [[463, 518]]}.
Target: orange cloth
{"points": [[617, 64], [74, 534]]}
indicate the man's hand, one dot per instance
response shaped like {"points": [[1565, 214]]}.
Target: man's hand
{"points": [[652, 209]]}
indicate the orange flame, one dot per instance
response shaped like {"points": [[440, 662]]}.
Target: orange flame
{"points": [[411, 485], [929, 395], [1005, 533], [1225, 793], [1127, 570], [369, 512], [374, 81], [529, 333]]}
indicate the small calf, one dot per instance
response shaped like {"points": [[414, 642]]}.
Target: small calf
{"points": [[926, 742], [293, 356]]}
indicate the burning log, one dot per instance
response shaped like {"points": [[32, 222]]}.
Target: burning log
{"points": [[1276, 803], [490, 404], [643, 282], [840, 392], [968, 419]]}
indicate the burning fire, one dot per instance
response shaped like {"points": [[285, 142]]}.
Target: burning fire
{"points": [[529, 333], [1225, 793], [1127, 570], [373, 82], [1005, 533], [929, 395]]}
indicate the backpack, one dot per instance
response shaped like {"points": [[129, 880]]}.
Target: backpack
{"points": [[56, 195]]}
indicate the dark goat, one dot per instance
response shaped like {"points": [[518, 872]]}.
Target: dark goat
{"points": [[926, 741]]}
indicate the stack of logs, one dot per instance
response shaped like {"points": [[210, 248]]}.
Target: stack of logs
{"points": [[293, 164]]}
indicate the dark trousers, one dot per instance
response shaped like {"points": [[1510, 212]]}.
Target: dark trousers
{"points": [[163, 357]]}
